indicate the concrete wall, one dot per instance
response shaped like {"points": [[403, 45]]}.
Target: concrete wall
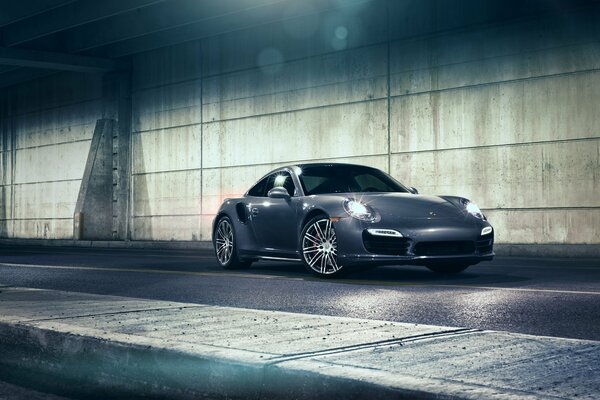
{"points": [[453, 100], [167, 144], [46, 129], [506, 115]]}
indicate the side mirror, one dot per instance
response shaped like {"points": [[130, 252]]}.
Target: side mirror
{"points": [[278, 193], [414, 190]]}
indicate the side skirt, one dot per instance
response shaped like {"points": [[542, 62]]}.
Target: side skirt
{"points": [[279, 258]]}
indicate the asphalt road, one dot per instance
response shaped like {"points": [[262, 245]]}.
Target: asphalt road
{"points": [[553, 297]]}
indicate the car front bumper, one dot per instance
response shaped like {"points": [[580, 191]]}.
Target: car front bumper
{"points": [[423, 242]]}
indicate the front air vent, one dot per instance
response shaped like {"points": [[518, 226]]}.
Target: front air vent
{"points": [[242, 212], [450, 248], [386, 245], [485, 244]]}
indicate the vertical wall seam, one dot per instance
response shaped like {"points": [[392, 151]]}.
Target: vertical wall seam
{"points": [[201, 138], [13, 159], [125, 84], [3, 162], [116, 178], [389, 91], [130, 203]]}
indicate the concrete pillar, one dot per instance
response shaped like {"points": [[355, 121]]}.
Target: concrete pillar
{"points": [[117, 106], [93, 217]]}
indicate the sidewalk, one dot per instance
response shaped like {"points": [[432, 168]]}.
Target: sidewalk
{"points": [[107, 346]]}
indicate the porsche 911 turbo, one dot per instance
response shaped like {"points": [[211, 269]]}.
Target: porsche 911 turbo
{"points": [[335, 217]]}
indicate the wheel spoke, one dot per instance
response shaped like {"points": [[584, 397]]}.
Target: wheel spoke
{"points": [[314, 260], [334, 265], [312, 238], [311, 248], [319, 231], [328, 230]]}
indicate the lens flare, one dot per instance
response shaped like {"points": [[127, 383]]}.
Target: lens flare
{"points": [[359, 210], [474, 210]]}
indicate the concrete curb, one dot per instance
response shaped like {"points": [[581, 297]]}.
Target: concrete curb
{"points": [[501, 249], [109, 347], [95, 368], [548, 250]]}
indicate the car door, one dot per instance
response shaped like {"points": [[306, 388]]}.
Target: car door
{"points": [[275, 220]]}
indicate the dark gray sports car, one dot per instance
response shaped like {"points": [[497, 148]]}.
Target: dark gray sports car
{"points": [[334, 216]]}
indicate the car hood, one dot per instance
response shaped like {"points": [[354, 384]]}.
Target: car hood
{"points": [[408, 205]]}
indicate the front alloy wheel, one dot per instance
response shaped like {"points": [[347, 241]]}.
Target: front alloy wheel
{"points": [[319, 247], [226, 247]]}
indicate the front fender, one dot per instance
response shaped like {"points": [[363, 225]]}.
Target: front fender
{"points": [[235, 209]]}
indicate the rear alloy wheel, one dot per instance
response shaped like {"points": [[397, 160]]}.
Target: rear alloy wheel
{"points": [[226, 247], [448, 268], [319, 247]]}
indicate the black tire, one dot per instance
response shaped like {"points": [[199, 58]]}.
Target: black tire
{"points": [[448, 268], [226, 253], [319, 251]]}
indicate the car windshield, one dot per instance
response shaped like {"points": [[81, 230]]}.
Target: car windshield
{"points": [[321, 179]]}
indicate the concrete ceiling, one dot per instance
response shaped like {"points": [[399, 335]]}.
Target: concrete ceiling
{"points": [[39, 37]]}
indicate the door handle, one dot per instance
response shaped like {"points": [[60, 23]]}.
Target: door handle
{"points": [[254, 211]]}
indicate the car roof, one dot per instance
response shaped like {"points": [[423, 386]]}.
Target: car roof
{"points": [[316, 164], [329, 164]]}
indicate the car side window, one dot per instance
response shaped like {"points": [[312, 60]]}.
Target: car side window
{"points": [[258, 190], [281, 179], [311, 182]]}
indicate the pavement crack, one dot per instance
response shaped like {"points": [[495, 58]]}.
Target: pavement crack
{"points": [[111, 313], [363, 346]]}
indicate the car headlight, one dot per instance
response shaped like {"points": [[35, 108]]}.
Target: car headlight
{"points": [[473, 209], [359, 210]]}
